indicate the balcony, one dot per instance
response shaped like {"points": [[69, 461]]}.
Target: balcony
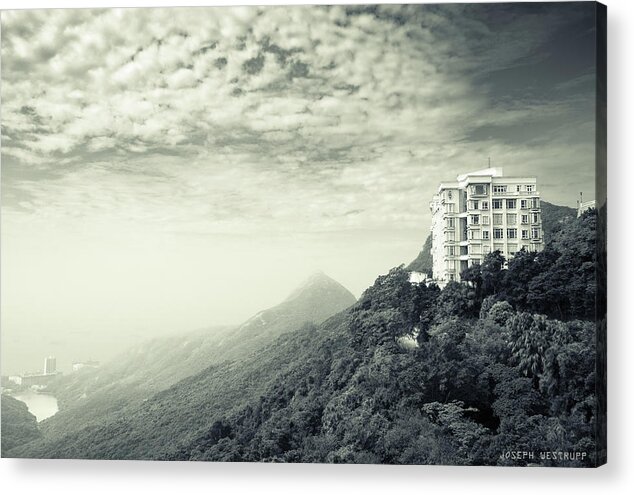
{"points": [[516, 193]]}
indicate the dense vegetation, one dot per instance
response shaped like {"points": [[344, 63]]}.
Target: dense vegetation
{"points": [[409, 374], [19, 426], [506, 364]]}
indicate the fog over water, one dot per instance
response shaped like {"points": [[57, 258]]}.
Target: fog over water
{"points": [[42, 406]]}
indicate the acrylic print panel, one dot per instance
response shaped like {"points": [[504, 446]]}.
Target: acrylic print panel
{"points": [[415, 194]]}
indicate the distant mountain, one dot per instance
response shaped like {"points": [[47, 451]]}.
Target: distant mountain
{"points": [[423, 262], [316, 299], [554, 217], [19, 426], [89, 396]]}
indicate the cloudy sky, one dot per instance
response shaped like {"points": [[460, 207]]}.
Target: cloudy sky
{"points": [[169, 169]]}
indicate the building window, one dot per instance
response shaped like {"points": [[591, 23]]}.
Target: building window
{"points": [[511, 204], [535, 203], [486, 249], [530, 188], [523, 204], [484, 205], [485, 235], [485, 219], [497, 204], [478, 189], [474, 235], [499, 189], [451, 250], [464, 250], [534, 233], [534, 217], [473, 205], [524, 219], [497, 219], [511, 233], [524, 234], [450, 208], [475, 262], [519, 188], [475, 219], [451, 222], [498, 233], [451, 236], [449, 195], [511, 218]]}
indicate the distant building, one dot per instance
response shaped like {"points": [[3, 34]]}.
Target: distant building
{"points": [[481, 212], [50, 365], [30, 379], [85, 364], [17, 379], [37, 379], [582, 206]]}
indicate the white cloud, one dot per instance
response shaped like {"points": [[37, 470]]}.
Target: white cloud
{"points": [[353, 106]]}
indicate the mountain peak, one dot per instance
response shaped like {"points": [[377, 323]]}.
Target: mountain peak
{"points": [[315, 300], [318, 281]]}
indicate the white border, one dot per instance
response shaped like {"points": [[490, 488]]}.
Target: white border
{"points": [[109, 477]]}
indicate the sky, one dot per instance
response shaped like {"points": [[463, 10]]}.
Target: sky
{"points": [[170, 169]]}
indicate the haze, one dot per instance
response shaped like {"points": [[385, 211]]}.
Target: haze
{"points": [[165, 170]]}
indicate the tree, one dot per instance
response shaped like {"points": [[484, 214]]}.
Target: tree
{"points": [[456, 301], [491, 272], [473, 276], [522, 268]]}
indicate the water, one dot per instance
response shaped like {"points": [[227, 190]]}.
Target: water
{"points": [[42, 406]]}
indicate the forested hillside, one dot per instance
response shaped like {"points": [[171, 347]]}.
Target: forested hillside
{"points": [[554, 217], [409, 374], [423, 262], [19, 426], [91, 396]]}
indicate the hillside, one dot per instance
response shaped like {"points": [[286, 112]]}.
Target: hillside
{"points": [[19, 426], [88, 396], [507, 363], [423, 262], [554, 217]]}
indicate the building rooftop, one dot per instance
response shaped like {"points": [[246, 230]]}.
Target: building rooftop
{"points": [[487, 172]]}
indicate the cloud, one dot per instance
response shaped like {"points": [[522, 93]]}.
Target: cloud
{"points": [[273, 118]]}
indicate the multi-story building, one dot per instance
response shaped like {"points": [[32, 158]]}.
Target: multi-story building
{"points": [[479, 213], [50, 365]]}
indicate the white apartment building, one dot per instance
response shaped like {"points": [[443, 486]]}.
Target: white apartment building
{"points": [[50, 365], [481, 212]]}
